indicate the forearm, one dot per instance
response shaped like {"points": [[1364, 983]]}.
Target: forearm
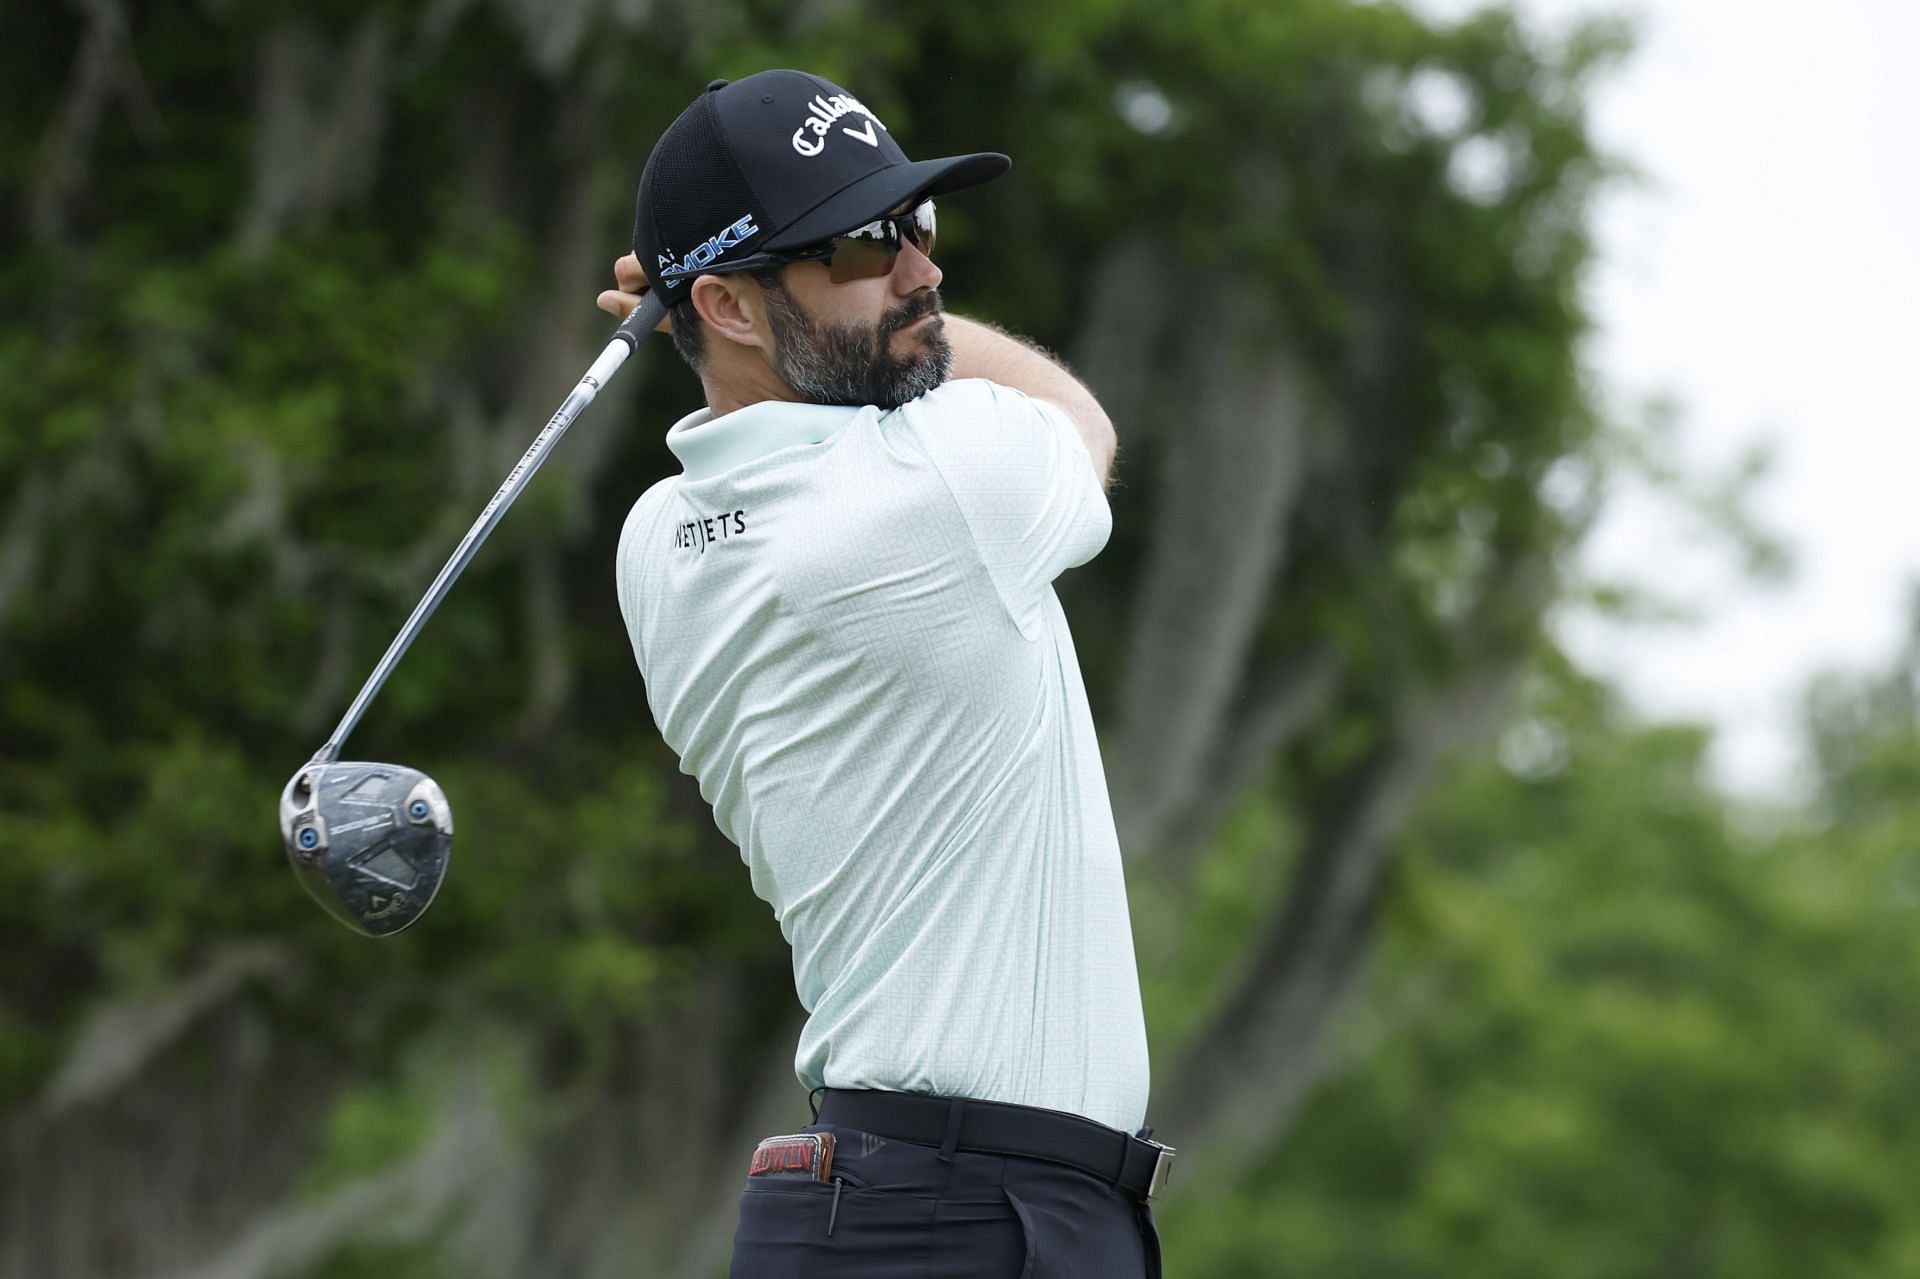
{"points": [[983, 351]]}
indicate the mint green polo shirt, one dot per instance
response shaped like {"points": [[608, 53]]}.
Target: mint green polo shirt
{"points": [[846, 622]]}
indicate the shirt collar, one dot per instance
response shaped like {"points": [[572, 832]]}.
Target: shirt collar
{"points": [[707, 445]]}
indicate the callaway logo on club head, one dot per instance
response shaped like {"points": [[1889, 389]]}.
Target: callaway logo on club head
{"points": [[704, 254], [822, 112]]}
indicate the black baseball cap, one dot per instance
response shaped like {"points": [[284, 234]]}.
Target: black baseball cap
{"points": [[779, 160]]}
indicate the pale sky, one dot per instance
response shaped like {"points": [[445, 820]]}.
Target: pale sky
{"points": [[1766, 276]]}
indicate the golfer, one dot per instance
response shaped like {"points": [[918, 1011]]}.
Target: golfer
{"points": [[843, 611]]}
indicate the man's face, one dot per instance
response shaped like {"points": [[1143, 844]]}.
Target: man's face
{"points": [[878, 341]]}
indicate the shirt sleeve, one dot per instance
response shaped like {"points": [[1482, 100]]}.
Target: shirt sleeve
{"points": [[631, 567], [1024, 482]]}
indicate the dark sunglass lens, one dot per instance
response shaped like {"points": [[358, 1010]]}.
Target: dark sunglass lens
{"points": [[861, 259]]}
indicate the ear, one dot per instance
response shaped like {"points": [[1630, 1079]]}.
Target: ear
{"points": [[732, 306]]}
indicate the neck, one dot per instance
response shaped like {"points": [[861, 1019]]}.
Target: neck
{"points": [[724, 400], [736, 383]]}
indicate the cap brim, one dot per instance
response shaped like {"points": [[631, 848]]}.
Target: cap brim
{"points": [[883, 191]]}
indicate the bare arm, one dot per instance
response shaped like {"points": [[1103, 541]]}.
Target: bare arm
{"points": [[980, 350]]}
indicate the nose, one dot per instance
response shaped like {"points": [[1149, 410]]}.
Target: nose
{"points": [[914, 271]]}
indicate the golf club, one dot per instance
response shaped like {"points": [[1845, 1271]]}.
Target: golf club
{"points": [[371, 841]]}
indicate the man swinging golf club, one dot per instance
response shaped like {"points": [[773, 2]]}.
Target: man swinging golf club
{"points": [[843, 611]]}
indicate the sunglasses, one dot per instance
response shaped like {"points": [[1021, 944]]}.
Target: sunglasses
{"points": [[869, 251], [863, 253]]}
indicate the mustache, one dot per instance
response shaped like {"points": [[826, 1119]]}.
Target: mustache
{"points": [[914, 308]]}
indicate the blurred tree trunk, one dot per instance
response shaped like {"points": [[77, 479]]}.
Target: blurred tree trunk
{"points": [[1239, 1084], [1204, 717], [1234, 448]]}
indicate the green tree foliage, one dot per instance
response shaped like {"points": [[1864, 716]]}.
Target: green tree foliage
{"points": [[1609, 1035], [288, 288]]}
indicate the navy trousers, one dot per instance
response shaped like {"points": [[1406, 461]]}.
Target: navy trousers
{"points": [[906, 1211]]}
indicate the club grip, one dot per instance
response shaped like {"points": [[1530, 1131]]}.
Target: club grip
{"points": [[645, 318]]}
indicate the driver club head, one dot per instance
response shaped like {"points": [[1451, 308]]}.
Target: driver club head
{"points": [[369, 841]]}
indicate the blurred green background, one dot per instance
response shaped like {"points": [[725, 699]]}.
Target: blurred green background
{"points": [[1452, 965]]}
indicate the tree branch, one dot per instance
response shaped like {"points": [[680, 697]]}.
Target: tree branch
{"points": [[121, 1039], [1232, 475], [22, 543], [401, 1203], [1283, 699], [1250, 1070], [62, 162], [544, 614], [1117, 350], [314, 149]]}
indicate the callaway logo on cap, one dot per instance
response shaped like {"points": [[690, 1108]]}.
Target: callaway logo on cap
{"points": [[821, 114], [776, 161]]}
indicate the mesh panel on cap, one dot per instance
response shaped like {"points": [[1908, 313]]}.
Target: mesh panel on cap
{"points": [[697, 189]]}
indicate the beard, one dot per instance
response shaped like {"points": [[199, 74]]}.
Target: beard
{"points": [[850, 365]]}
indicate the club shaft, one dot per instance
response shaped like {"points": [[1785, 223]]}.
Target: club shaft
{"points": [[625, 339]]}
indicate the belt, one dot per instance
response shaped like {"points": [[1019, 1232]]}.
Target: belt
{"points": [[1138, 1165]]}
